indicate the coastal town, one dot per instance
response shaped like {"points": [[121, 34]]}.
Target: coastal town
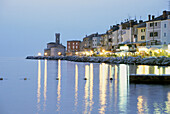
{"points": [[132, 37]]}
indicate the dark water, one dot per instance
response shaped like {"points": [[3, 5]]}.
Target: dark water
{"points": [[41, 93]]}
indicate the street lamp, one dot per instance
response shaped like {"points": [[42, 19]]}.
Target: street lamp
{"points": [[39, 54], [59, 53], [45, 53]]}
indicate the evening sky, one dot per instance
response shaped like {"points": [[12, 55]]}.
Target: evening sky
{"points": [[27, 25]]}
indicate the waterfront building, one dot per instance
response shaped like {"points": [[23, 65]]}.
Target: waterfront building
{"points": [[165, 30], [133, 31], [55, 48], [157, 29], [141, 32], [114, 37], [104, 41], [73, 46], [81, 46], [87, 44], [123, 33], [96, 42]]}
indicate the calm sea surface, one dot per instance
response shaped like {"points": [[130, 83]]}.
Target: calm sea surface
{"points": [[41, 93]]}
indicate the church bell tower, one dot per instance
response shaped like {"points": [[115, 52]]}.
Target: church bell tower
{"points": [[57, 35]]}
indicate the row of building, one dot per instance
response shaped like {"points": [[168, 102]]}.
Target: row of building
{"points": [[128, 35]]}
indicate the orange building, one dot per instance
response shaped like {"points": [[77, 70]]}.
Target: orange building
{"points": [[73, 46]]}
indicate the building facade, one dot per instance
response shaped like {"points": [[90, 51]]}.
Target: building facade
{"points": [[157, 29], [55, 48], [165, 31], [73, 46], [141, 32]]}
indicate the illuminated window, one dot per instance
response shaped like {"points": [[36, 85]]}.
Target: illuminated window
{"points": [[142, 30]]}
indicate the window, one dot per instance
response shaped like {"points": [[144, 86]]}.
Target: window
{"points": [[69, 47], [155, 24], [142, 30], [151, 24], [76, 47], [73, 47], [164, 25], [156, 34], [76, 43], [73, 43], [164, 34], [151, 34], [142, 37]]}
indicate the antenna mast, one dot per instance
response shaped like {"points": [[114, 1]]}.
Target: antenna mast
{"points": [[169, 5]]}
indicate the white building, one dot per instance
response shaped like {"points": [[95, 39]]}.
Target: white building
{"points": [[158, 29], [165, 31]]}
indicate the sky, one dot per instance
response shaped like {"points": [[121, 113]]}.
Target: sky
{"points": [[26, 26]]}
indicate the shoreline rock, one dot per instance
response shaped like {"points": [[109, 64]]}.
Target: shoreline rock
{"points": [[161, 61]]}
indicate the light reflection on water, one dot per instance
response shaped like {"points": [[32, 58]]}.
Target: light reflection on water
{"points": [[45, 84], [59, 86], [118, 88], [98, 94], [39, 86], [158, 70], [103, 78], [76, 87]]}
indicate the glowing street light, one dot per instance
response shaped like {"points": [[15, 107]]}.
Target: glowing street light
{"points": [[59, 53], [76, 53], [45, 53], [39, 54]]}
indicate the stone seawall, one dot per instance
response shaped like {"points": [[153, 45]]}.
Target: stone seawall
{"points": [[161, 61]]}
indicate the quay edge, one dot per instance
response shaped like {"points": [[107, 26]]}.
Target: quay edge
{"points": [[160, 61]]}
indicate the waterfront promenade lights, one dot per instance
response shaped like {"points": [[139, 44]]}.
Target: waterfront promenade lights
{"points": [[91, 53], [39, 54], [45, 54], [87, 53], [59, 53], [76, 53]]}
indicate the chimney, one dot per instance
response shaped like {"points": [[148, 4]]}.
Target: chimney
{"points": [[153, 17], [140, 21], [131, 23], [164, 14], [149, 17]]}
